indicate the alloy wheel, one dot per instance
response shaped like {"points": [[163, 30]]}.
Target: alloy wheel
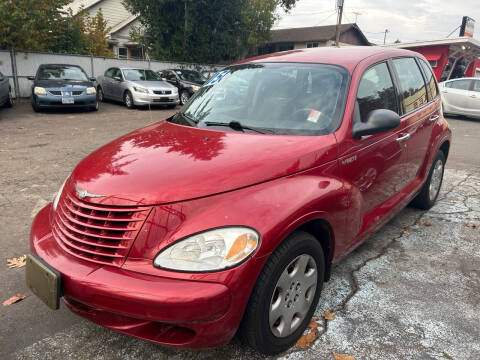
{"points": [[128, 100], [436, 179], [293, 296], [184, 97]]}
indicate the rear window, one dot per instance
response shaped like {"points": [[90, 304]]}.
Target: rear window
{"points": [[412, 85], [285, 98]]}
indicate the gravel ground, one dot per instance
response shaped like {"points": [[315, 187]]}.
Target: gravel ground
{"points": [[412, 291]]}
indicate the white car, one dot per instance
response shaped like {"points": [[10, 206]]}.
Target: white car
{"points": [[461, 96]]}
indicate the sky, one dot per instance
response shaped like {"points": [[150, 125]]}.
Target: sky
{"points": [[406, 20]]}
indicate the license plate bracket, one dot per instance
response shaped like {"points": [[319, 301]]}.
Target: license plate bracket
{"points": [[43, 280]]}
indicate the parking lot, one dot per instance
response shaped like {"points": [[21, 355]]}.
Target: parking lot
{"points": [[410, 292]]}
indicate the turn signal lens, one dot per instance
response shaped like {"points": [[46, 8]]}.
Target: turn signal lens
{"points": [[212, 250]]}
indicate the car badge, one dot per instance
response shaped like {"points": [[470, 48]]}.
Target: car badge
{"points": [[82, 194]]}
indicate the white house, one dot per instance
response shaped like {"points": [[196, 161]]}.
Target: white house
{"points": [[121, 22]]}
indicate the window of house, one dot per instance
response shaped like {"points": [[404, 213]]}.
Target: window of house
{"points": [[376, 91], [312, 45], [412, 85], [285, 47], [431, 86], [459, 84], [122, 53], [135, 53]]}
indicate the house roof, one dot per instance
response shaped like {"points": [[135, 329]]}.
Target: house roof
{"points": [[77, 4], [313, 33]]}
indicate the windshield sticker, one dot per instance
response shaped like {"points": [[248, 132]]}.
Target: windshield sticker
{"points": [[314, 116], [217, 77]]}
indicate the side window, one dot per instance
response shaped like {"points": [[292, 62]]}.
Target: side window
{"points": [[412, 85], [431, 85], [109, 72], [476, 85], [459, 84], [170, 75], [376, 91], [117, 73]]}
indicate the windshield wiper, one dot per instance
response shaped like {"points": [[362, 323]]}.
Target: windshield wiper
{"points": [[236, 125]]}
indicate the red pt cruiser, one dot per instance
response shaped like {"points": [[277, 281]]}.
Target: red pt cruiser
{"points": [[229, 215]]}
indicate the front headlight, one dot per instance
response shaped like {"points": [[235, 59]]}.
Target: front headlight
{"points": [[57, 198], [37, 90], [175, 91], [195, 87], [91, 91], [140, 89], [211, 250]]}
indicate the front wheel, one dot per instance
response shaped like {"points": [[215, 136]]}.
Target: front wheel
{"points": [[9, 102], [35, 106], [184, 97], [128, 100], [285, 295], [430, 190]]}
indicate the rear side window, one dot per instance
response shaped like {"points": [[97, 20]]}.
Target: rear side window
{"points": [[476, 85], [376, 91], [459, 84], [432, 87], [412, 85]]}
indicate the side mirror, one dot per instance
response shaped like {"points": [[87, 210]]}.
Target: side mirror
{"points": [[93, 78], [378, 121], [117, 78], [164, 79], [31, 78]]}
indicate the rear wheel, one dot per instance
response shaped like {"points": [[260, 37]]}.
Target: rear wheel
{"points": [[285, 295], [430, 190], [9, 102], [128, 100], [100, 95]]}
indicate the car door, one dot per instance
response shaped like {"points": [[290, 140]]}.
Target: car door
{"points": [[455, 95], [419, 109], [373, 167], [4, 88], [172, 78], [117, 84], [107, 83], [473, 99]]}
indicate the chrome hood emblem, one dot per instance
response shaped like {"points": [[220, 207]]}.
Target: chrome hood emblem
{"points": [[82, 194]]}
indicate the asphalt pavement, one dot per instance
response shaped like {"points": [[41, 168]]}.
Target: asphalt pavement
{"points": [[412, 291]]}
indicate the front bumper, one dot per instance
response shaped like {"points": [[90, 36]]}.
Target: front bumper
{"points": [[153, 99], [52, 101], [168, 311]]}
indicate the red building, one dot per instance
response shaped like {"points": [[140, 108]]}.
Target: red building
{"points": [[449, 58]]}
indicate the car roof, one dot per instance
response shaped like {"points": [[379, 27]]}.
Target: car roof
{"points": [[462, 78], [348, 56], [128, 68], [52, 65]]}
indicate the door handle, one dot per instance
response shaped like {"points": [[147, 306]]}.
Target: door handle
{"points": [[403, 138], [434, 118]]}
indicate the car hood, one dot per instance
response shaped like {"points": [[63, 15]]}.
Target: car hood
{"points": [[62, 83], [165, 162], [153, 84]]}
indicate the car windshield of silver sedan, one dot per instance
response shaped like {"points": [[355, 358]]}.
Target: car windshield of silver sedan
{"points": [[280, 98], [140, 75], [60, 72]]}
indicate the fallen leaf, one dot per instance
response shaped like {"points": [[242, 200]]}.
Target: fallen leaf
{"points": [[405, 232], [313, 324], [343, 357], [425, 223], [472, 225], [328, 315], [306, 340], [457, 201], [14, 299], [17, 262]]}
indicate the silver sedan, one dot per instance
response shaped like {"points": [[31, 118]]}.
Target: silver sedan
{"points": [[136, 87], [461, 97]]}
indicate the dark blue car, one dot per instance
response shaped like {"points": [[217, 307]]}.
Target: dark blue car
{"points": [[61, 86]]}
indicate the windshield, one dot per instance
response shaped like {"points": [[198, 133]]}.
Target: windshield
{"points": [[190, 75], [291, 98], [140, 75], [61, 72]]}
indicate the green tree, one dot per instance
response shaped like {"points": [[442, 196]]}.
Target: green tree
{"points": [[205, 30], [31, 25], [96, 35]]}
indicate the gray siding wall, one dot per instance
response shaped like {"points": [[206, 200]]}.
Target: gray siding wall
{"points": [[28, 63]]}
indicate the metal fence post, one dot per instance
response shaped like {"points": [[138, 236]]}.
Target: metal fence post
{"points": [[13, 61]]}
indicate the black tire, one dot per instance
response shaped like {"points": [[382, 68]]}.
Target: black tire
{"points": [[94, 107], [9, 102], [171, 106], [255, 329], [425, 200], [184, 96], [100, 95], [35, 106], [128, 100]]}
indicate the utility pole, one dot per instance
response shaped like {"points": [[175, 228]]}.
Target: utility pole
{"points": [[385, 36], [339, 22]]}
